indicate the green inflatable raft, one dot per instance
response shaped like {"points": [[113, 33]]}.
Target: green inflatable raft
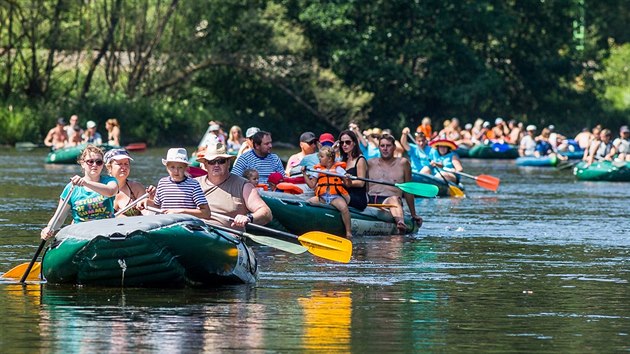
{"points": [[493, 151], [172, 250], [293, 213], [603, 171], [70, 155]]}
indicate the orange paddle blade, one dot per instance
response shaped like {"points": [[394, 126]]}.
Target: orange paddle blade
{"points": [[18, 271], [488, 182]]}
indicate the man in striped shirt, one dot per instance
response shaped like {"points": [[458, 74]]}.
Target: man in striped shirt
{"points": [[178, 193], [259, 158]]}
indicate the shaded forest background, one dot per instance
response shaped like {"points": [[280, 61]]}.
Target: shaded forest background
{"points": [[164, 68]]}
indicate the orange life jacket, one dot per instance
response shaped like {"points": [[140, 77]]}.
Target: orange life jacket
{"points": [[289, 188], [325, 181]]}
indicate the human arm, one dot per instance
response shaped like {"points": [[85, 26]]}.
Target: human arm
{"points": [[311, 182], [258, 209], [362, 169], [403, 138], [611, 154], [115, 136], [108, 189], [409, 198], [48, 231], [457, 163], [49, 137]]}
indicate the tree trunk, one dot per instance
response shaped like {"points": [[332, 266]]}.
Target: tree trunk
{"points": [[111, 28]]}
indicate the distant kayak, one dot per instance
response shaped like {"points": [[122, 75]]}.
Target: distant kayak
{"points": [[603, 171], [136, 147], [541, 161], [493, 151]]}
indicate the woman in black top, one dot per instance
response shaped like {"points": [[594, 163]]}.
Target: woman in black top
{"points": [[356, 165]]}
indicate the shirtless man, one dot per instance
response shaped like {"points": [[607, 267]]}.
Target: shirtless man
{"points": [[57, 136], [388, 168]]}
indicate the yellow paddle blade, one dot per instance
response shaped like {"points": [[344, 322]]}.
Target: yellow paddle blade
{"points": [[327, 246], [18, 271], [456, 192]]}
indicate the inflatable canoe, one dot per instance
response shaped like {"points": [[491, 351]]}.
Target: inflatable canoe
{"points": [[69, 155], [294, 214], [148, 251], [493, 151], [542, 161], [603, 171]]}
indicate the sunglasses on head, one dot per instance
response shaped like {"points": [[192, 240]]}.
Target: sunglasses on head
{"points": [[217, 162], [94, 162]]}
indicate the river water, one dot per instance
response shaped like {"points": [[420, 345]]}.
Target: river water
{"points": [[542, 265]]}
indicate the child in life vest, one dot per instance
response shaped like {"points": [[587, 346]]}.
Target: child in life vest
{"points": [[331, 189], [251, 175]]}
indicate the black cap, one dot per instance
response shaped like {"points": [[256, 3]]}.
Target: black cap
{"points": [[307, 137], [61, 121]]}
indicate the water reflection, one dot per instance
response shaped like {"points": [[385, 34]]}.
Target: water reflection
{"points": [[541, 265], [327, 321]]}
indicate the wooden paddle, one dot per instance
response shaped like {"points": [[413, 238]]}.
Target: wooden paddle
{"points": [[483, 181], [318, 243], [415, 188], [54, 227]]}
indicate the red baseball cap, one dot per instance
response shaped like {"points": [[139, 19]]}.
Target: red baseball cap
{"points": [[327, 138]]}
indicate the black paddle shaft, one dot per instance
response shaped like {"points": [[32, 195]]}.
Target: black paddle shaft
{"points": [[355, 177], [30, 265]]}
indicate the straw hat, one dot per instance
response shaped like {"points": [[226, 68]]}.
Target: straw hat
{"points": [[214, 150], [443, 142]]}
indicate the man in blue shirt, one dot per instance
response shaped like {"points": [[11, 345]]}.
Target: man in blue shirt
{"points": [[259, 158]]}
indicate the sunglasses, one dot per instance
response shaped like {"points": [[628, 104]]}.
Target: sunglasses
{"points": [[311, 142], [217, 162], [345, 142], [94, 162]]}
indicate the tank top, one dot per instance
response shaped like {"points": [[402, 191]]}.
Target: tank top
{"points": [[358, 195], [225, 198], [132, 198]]}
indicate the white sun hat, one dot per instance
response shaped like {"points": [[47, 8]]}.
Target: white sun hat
{"points": [[176, 155]]}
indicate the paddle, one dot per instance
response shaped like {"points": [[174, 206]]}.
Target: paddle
{"points": [[415, 188], [453, 190], [318, 243], [263, 240], [133, 204], [483, 181], [564, 166], [54, 227]]}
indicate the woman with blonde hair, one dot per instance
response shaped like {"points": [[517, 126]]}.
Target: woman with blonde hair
{"points": [[91, 195], [235, 139], [113, 131]]}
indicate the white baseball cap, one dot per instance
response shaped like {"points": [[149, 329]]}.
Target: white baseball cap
{"points": [[91, 124]]}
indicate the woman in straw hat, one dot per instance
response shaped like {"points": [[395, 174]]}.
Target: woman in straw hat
{"points": [[443, 157]]}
